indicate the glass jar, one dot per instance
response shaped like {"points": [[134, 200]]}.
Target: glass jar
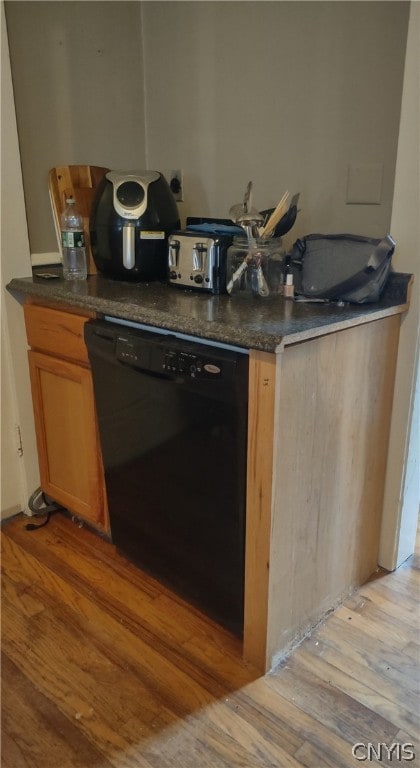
{"points": [[259, 270]]}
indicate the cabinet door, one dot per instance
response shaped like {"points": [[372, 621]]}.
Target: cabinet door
{"points": [[68, 447]]}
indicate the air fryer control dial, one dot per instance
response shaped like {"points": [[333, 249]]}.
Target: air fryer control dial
{"points": [[130, 194]]}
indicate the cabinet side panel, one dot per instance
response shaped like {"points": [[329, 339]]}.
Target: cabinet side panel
{"points": [[262, 381], [330, 459]]}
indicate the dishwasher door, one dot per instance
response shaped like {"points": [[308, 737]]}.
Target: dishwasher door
{"points": [[173, 427]]}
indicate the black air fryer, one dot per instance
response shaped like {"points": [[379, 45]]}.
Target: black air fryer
{"points": [[132, 215]]}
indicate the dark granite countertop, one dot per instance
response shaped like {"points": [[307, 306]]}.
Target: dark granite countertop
{"points": [[241, 320]]}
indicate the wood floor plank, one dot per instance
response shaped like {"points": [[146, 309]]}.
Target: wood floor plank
{"points": [[117, 639], [387, 662], [20, 594], [94, 677], [180, 685], [403, 737], [383, 592], [83, 689], [354, 685], [383, 620], [109, 555], [309, 756], [343, 657], [48, 738], [105, 666], [239, 742], [343, 715], [180, 747], [395, 637], [272, 699], [121, 636], [413, 650], [150, 618], [257, 710]]}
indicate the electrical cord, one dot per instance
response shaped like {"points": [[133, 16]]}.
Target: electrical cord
{"points": [[49, 508], [33, 527]]}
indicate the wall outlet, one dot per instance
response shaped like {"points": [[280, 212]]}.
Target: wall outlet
{"points": [[175, 180]]}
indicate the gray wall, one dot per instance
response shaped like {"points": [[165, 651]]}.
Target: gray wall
{"points": [[77, 70], [288, 94]]}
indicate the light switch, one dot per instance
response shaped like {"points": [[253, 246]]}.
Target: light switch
{"points": [[364, 184]]}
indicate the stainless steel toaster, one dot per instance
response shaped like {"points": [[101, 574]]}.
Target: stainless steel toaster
{"points": [[197, 260]]}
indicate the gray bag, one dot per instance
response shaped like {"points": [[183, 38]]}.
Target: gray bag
{"points": [[341, 267]]}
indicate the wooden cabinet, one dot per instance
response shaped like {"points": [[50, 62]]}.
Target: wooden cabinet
{"points": [[70, 460], [318, 427]]}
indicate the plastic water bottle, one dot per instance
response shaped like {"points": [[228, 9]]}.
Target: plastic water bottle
{"points": [[73, 242]]}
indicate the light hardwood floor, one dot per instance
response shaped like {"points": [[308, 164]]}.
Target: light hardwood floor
{"points": [[102, 667]]}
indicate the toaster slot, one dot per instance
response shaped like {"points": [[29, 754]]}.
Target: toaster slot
{"points": [[199, 257], [174, 246]]}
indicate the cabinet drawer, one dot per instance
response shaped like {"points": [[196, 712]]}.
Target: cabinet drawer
{"points": [[56, 332]]}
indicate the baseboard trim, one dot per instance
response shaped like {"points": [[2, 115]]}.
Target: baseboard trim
{"points": [[10, 511]]}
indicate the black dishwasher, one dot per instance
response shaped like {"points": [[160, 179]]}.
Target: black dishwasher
{"points": [[172, 419]]}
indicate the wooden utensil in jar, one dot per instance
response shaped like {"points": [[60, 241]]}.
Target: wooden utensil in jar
{"points": [[275, 217]]}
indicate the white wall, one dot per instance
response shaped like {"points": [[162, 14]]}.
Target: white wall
{"points": [[288, 94], [402, 491], [11, 480], [19, 476]]}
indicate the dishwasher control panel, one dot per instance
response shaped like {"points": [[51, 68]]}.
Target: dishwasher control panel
{"points": [[158, 357], [187, 364], [131, 350]]}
